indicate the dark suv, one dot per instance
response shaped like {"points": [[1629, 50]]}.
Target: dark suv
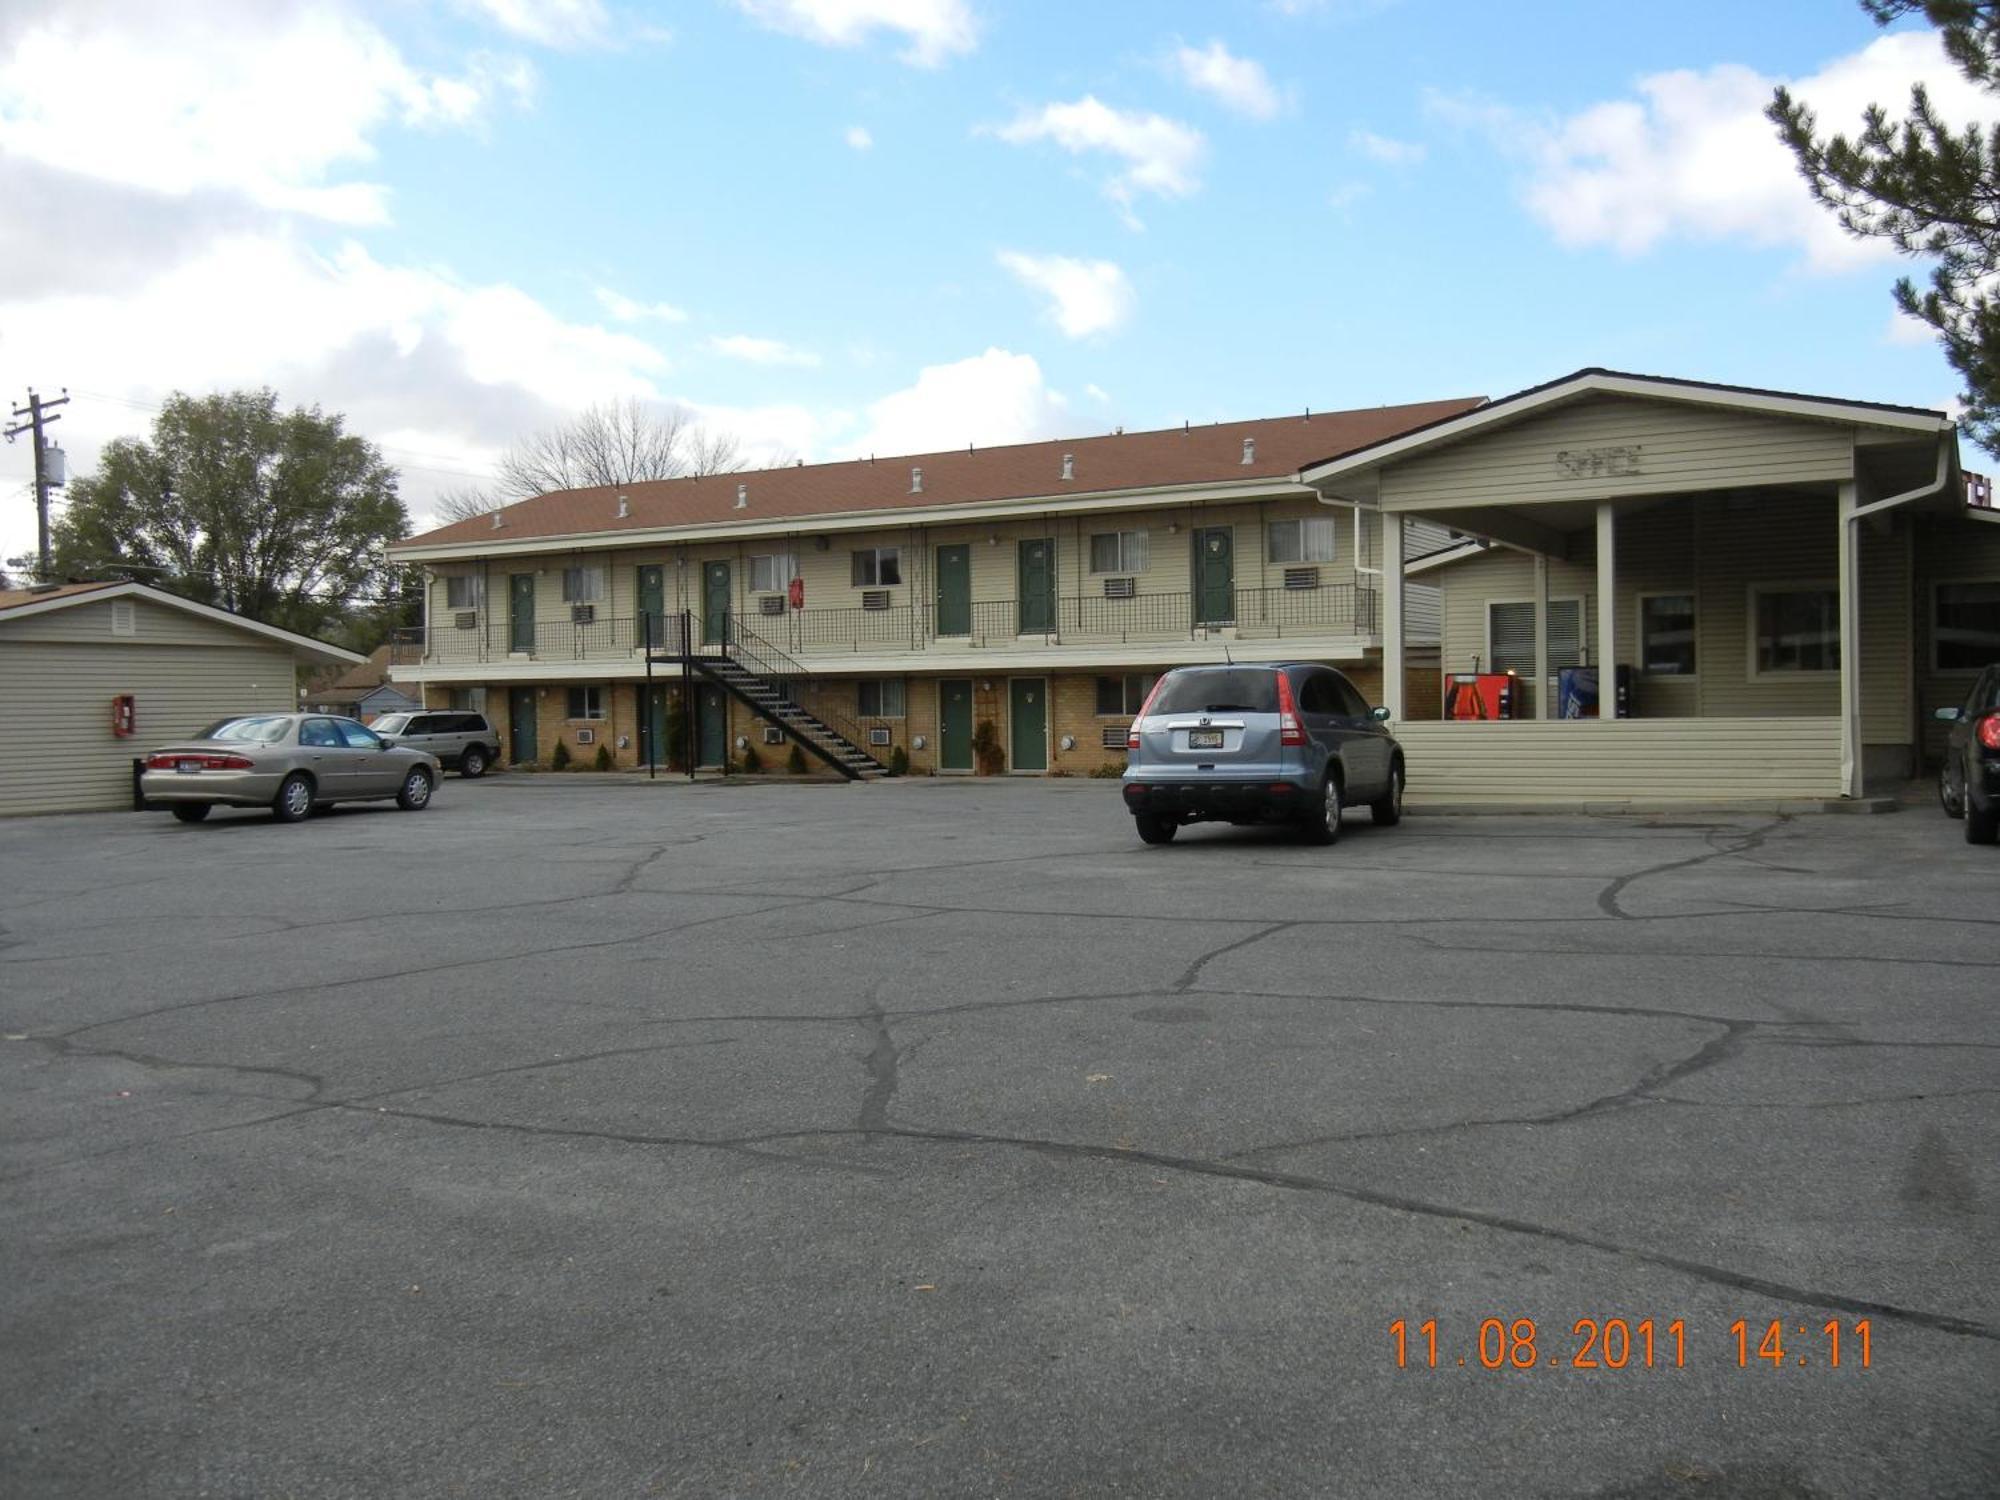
{"points": [[1969, 780], [1269, 743], [465, 742]]}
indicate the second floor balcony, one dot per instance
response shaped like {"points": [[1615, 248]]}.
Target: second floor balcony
{"points": [[816, 635]]}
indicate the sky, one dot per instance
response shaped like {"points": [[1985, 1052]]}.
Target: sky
{"points": [[841, 227]]}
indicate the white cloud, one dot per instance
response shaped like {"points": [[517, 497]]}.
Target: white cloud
{"points": [[1385, 149], [1346, 195], [933, 29], [991, 398], [1692, 157], [1239, 83], [1097, 393], [858, 137], [1161, 156], [551, 23], [628, 310], [758, 351], [266, 101], [1907, 331], [1085, 296]]}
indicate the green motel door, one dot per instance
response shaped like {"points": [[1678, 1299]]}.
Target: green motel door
{"points": [[711, 712], [521, 613], [1214, 576], [1028, 724], [653, 747], [954, 590], [714, 603], [1037, 565], [955, 724], [652, 596], [521, 732]]}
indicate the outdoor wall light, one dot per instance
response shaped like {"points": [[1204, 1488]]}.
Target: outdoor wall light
{"points": [[986, 687]]}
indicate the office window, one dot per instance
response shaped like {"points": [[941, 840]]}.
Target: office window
{"points": [[1510, 635], [1304, 540], [469, 699], [1118, 552], [1965, 625], [583, 585], [877, 567], [882, 698], [1798, 629], [464, 591], [1122, 696], [770, 573], [1666, 634], [586, 703]]}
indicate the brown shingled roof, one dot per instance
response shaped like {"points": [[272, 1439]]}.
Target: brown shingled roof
{"points": [[13, 598], [1120, 461]]}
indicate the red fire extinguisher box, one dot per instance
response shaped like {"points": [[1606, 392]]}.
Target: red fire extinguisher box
{"points": [[124, 716]]}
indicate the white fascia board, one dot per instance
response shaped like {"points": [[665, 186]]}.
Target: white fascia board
{"points": [[1513, 409], [970, 513], [302, 645], [1445, 557]]}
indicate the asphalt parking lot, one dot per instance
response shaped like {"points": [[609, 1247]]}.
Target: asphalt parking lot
{"points": [[589, 1138]]}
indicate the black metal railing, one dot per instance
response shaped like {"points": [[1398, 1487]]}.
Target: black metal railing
{"points": [[790, 680]]}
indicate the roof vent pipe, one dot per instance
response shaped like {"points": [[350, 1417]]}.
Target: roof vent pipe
{"points": [[1069, 466], [624, 508], [1249, 450], [916, 480], [498, 520], [742, 497]]}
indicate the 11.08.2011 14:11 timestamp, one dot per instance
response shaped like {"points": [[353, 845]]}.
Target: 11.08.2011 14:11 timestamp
{"points": [[1628, 1344]]}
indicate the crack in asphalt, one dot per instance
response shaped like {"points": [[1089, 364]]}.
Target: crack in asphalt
{"points": [[1748, 841]]}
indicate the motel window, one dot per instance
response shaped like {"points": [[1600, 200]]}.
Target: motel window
{"points": [[1118, 552], [469, 699], [464, 591], [882, 698], [771, 572], [583, 585], [586, 703], [1798, 628], [1666, 634], [1304, 540], [1510, 635], [1965, 625], [877, 567], [1119, 697]]}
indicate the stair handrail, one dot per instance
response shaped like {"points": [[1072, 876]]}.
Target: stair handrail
{"points": [[750, 650]]}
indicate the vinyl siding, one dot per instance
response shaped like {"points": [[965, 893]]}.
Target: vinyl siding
{"points": [[1679, 448], [153, 624], [61, 693]]}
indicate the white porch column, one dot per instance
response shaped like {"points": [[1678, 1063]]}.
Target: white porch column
{"points": [[1607, 610], [1392, 614], [1850, 646], [1544, 699]]}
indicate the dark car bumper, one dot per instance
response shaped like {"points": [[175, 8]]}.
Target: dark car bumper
{"points": [[1982, 782], [1271, 800]]}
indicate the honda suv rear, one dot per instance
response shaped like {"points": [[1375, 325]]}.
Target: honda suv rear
{"points": [[1266, 743]]}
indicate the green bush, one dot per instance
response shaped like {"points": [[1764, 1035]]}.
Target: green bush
{"points": [[796, 761], [1107, 773], [603, 761], [987, 750], [750, 763], [899, 762], [560, 760]]}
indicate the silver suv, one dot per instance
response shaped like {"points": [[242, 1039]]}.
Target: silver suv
{"points": [[1270, 743], [465, 742]]}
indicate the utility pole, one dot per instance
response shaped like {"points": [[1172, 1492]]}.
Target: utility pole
{"points": [[37, 413]]}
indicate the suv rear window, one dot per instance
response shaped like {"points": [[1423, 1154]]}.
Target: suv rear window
{"points": [[1245, 689], [390, 723]]}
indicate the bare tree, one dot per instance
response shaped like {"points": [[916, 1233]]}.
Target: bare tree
{"points": [[619, 442], [463, 503]]}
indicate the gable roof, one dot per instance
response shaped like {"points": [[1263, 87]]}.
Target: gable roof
{"points": [[1596, 381], [16, 604], [1110, 463]]}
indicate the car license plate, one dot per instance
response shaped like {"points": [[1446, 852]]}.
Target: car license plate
{"points": [[188, 767], [1204, 739]]}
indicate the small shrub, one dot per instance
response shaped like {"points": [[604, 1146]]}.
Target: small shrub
{"points": [[751, 765], [899, 762], [1059, 771], [796, 761], [560, 760], [1106, 772], [603, 761], [987, 750]]}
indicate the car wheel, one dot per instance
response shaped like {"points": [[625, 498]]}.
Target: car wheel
{"points": [[416, 792], [1981, 827], [1953, 806], [191, 812], [1387, 809], [1154, 830], [472, 764], [294, 800], [1322, 826]]}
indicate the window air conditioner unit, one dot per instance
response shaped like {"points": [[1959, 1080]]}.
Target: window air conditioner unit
{"points": [[771, 604], [1114, 736], [1120, 588], [586, 736], [466, 619], [874, 598], [773, 735], [1302, 578], [582, 614], [878, 736]]}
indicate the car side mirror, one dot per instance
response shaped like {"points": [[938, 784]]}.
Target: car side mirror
{"points": [[1946, 715], [1380, 715], [385, 743]]}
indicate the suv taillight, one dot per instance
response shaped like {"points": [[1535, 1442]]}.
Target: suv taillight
{"points": [[1290, 730], [1989, 731], [1132, 734]]}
